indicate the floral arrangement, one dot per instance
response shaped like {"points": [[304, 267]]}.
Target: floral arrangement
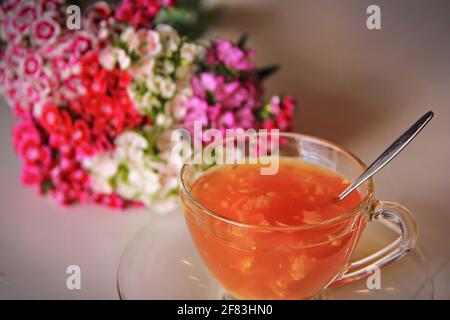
{"points": [[96, 106]]}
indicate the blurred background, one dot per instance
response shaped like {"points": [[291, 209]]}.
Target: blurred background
{"points": [[360, 88]]}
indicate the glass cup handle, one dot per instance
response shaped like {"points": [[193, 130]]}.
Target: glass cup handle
{"points": [[400, 217]]}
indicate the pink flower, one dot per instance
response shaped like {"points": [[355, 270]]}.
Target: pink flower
{"points": [[149, 43], [31, 175], [79, 46], [98, 20], [74, 88], [31, 65], [33, 152], [208, 82], [7, 30], [18, 52], [29, 145], [227, 53], [25, 15], [220, 104], [49, 5], [9, 5], [98, 12], [3, 78], [45, 31]]}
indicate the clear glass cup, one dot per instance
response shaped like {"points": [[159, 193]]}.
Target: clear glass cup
{"points": [[294, 262]]}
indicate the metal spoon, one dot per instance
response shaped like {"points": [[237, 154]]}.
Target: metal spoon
{"points": [[389, 153]]}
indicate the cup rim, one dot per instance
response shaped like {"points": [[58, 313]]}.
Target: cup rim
{"points": [[322, 141]]}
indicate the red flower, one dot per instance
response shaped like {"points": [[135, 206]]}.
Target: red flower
{"points": [[114, 201], [81, 132], [281, 113], [106, 106], [29, 144], [51, 118], [140, 13]]}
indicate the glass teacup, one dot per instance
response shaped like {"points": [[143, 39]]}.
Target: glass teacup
{"points": [[293, 262]]}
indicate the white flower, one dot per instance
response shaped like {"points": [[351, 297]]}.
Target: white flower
{"points": [[103, 33], [141, 183], [111, 55], [172, 182], [179, 111], [38, 107], [154, 83], [150, 44], [168, 37], [142, 68], [130, 145], [149, 102], [126, 190], [123, 59], [100, 185], [168, 67], [189, 51], [102, 165], [162, 120], [164, 86], [167, 87], [177, 106], [165, 206], [133, 95], [186, 92], [130, 38], [107, 59], [150, 181]]}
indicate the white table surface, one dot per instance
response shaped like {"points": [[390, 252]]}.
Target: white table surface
{"points": [[357, 87]]}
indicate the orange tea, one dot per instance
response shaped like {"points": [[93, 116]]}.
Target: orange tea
{"points": [[277, 236]]}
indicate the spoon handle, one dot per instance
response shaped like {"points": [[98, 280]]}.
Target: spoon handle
{"points": [[389, 153]]}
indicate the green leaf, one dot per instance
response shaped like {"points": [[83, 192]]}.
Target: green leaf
{"points": [[46, 186], [122, 173], [210, 98], [176, 17], [242, 41], [265, 72], [121, 44], [265, 112], [190, 18], [173, 192]]}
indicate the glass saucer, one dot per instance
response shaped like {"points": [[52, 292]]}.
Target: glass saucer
{"points": [[161, 262]]}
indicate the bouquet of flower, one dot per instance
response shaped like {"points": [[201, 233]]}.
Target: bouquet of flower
{"points": [[96, 105]]}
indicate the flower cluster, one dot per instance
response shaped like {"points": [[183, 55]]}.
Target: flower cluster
{"points": [[139, 166], [141, 13], [97, 106]]}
